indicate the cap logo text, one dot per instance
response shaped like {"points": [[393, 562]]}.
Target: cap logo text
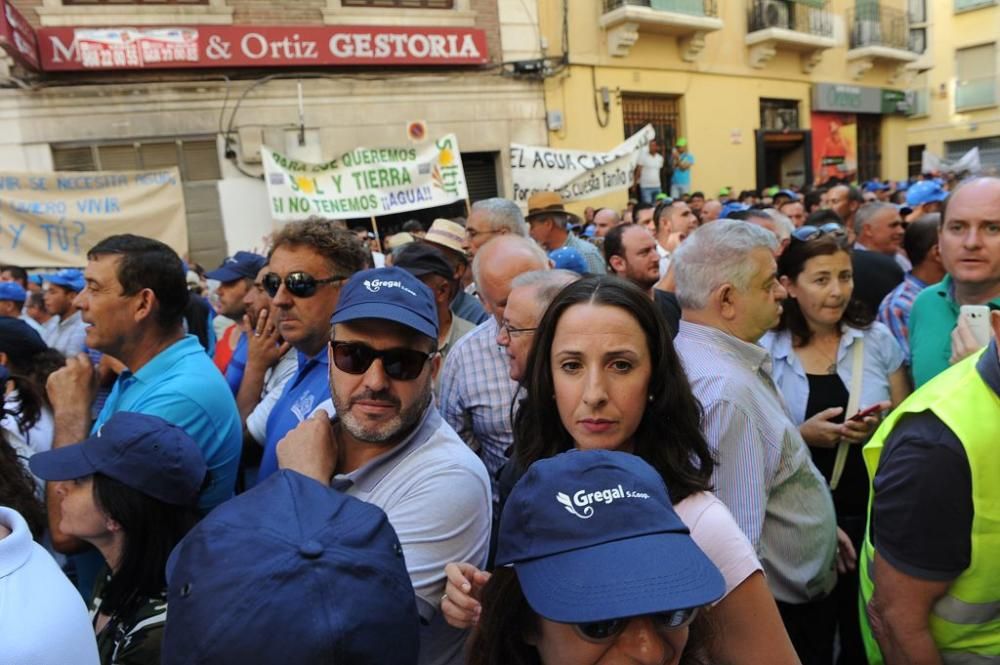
{"points": [[584, 500], [376, 285]]}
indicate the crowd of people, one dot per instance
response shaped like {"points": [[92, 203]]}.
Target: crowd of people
{"points": [[732, 430]]}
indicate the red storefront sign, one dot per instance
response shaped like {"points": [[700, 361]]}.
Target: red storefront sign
{"points": [[85, 49], [17, 37]]}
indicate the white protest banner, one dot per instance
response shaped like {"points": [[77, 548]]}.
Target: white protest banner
{"points": [[51, 220], [576, 174], [365, 182]]}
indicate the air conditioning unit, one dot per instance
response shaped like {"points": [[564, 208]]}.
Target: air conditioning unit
{"points": [[775, 13]]}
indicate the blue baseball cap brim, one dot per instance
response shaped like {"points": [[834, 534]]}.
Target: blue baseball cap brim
{"points": [[66, 463], [388, 312], [224, 274], [73, 284], [624, 578]]}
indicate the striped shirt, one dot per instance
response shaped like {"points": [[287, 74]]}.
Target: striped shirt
{"points": [[894, 311], [765, 474], [476, 395]]}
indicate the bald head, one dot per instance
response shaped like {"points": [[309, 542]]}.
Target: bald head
{"points": [[710, 211], [605, 220], [498, 263]]}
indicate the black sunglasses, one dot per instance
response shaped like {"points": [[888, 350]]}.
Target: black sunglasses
{"points": [[809, 232], [605, 631], [299, 284], [399, 364]]}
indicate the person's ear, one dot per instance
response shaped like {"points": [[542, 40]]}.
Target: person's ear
{"points": [[995, 320], [617, 263], [145, 302], [4, 360], [727, 300], [435, 365]]}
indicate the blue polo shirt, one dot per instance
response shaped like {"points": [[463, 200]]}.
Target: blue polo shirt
{"points": [[307, 389], [238, 364], [183, 386]]}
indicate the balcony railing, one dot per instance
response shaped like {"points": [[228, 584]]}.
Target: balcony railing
{"points": [[766, 14], [977, 92], [692, 7], [877, 25], [920, 102]]}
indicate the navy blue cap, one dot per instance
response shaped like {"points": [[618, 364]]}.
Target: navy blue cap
{"points": [[731, 207], [70, 278], [241, 265], [421, 258], [592, 536], [568, 258], [141, 451], [925, 191], [392, 294], [291, 571], [19, 339], [12, 291], [789, 193]]}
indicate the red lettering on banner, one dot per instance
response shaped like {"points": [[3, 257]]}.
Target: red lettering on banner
{"points": [[81, 49]]}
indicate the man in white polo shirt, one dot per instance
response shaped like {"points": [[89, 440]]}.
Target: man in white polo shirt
{"points": [[389, 446]]}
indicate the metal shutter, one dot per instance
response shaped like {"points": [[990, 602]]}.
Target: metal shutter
{"points": [[481, 174]]}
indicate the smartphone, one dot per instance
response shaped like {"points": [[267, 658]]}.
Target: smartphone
{"points": [[978, 318], [870, 411]]}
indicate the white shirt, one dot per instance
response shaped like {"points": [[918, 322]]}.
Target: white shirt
{"points": [[651, 166], [68, 336], [43, 619], [274, 383], [664, 259]]}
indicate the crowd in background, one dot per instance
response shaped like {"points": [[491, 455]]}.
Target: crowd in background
{"points": [[736, 429]]}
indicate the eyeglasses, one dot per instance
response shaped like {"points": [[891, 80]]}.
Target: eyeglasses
{"points": [[473, 234], [399, 364], [605, 631], [809, 232], [512, 331], [299, 284]]}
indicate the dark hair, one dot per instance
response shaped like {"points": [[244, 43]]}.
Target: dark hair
{"points": [[613, 242], [412, 225], [669, 435], [499, 637], [152, 528], [662, 207], [18, 489], [30, 373], [748, 214], [921, 236], [149, 264], [791, 263], [639, 207], [823, 216], [19, 274], [855, 194], [813, 198], [697, 195]]}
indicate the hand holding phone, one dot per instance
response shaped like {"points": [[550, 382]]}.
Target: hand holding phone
{"points": [[870, 411]]}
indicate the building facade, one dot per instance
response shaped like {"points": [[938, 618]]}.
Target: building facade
{"points": [[309, 78], [766, 92], [953, 97]]}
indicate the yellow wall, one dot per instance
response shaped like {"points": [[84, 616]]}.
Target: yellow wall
{"points": [[719, 92], [949, 32]]}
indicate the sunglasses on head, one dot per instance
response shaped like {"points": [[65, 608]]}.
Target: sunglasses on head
{"points": [[809, 232], [299, 284], [605, 631], [399, 364]]}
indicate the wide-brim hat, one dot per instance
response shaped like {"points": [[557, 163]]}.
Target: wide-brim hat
{"points": [[447, 234], [548, 204]]}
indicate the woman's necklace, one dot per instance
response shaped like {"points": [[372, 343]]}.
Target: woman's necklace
{"points": [[832, 367]]}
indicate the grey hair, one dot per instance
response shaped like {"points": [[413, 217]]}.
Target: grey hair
{"points": [[866, 212], [523, 244], [717, 254], [502, 214], [549, 283], [783, 222]]}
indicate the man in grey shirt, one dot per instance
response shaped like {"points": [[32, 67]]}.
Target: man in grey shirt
{"points": [[730, 296], [389, 446]]}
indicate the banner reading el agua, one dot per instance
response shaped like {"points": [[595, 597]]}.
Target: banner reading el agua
{"points": [[365, 182], [576, 174], [53, 219]]}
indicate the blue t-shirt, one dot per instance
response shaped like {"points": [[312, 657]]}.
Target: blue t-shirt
{"points": [[237, 364], [183, 386], [308, 388], [683, 176]]}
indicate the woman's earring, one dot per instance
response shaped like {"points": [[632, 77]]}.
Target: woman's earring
{"points": [[650, 399]]}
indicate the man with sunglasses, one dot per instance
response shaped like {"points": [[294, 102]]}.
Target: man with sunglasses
{"points": [[309, 263], [389, 446]]}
